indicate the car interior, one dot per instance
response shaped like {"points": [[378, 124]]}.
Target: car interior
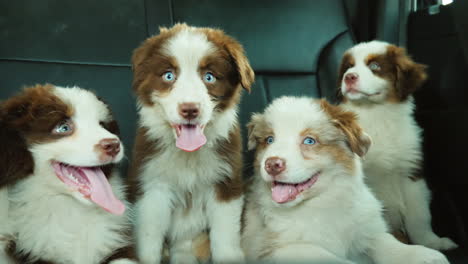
{"points": [[294, 47]]}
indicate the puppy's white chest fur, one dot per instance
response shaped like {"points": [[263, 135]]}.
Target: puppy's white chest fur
{"points": [[56, 227], [395, 154], [396, 138]]}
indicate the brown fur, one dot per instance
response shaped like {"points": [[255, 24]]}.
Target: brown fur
{"points": [[346, 62], [226, 90], [231, 151], [346, 121], [236, 52], [149, 63], [409, 74], [143, 150], [26, 118], [201, 247], [258, 131]]}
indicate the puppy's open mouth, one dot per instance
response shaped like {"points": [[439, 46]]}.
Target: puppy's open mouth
{"points": [[285, 192], [190, 137], [91, 183]]}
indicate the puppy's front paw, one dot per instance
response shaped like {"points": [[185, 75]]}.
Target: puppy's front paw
{"points": [[441, 243], [423, 255], [229, 256]]}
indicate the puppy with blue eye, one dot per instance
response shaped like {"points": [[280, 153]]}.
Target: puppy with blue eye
{"points": [[61, 200], [308, 201], [377, 81], [186, 172]]}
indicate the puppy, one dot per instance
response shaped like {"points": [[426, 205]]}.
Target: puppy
{"points": [[61, 201], [187, 164], [308, 201], [376, 82]]}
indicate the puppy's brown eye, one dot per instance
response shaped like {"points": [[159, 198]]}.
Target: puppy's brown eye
{"points": [[374, 66], [64, 128]]}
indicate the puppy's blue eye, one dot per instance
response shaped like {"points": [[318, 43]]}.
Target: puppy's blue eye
{"points": [[270, 140], [308, 141], [209, 77], [63, 128], [374, 66], [169, 76]]}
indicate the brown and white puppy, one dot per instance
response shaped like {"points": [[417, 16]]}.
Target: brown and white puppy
{"points": [[377, 80], [308, 202], [61, 200], [187, 164]]}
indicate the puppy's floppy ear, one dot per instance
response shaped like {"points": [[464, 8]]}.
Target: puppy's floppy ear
{"points": [[246, 74], [251, 129], [358, 141], [409, 74], [16, 162]]}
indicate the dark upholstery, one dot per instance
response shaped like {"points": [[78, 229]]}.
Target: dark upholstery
{"points": [[442, 111]]}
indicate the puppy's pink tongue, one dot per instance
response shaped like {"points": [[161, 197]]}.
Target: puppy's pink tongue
{"points": [[282, 193], [191, 138], [101, 191]]}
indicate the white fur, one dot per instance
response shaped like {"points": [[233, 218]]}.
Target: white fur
{"points": [[168, 177], [188, 48], [52, 222], [337, 220], [393, 158]]}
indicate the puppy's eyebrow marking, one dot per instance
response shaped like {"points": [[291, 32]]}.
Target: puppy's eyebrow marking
{"points": [[309, 132]]}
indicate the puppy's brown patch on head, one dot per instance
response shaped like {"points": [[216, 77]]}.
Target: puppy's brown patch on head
{"points": [[326, 147], [35, 112], [346, 121], [346, 62], [258, 130], [226, 90], [236, 52], [28, 118], [230, 66], [410, 75], [307, 150], [228, 63], [149, 63], [404, 75]]}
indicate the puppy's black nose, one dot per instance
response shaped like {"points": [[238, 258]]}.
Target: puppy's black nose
{"points": [[109, 146], [275, 165], [351, 78], [189, 110]]}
